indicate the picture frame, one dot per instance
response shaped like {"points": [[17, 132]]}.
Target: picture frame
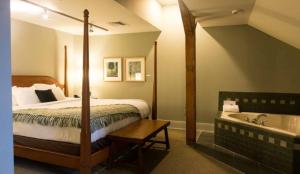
{"points": [[135, 69], [112, 69]]}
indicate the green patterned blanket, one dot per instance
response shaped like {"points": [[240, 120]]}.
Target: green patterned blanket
{"points": [[101, 116]]}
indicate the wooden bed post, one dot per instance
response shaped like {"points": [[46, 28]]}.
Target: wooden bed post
{"points": [[154, 98], [66, 72], [190, 48], [85, 136]]}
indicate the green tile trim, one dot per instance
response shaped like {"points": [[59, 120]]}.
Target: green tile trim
{"points": [[254, 143]]}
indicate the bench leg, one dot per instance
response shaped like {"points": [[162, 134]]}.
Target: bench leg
{"points": [[85, 170], [167, 138], [111, 156], [140, 160]]}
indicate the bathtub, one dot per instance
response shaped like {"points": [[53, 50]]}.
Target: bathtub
{"points": [[286, 124], [271, 139]]}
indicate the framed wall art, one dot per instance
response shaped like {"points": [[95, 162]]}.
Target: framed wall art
{"points": [[135, 69], [112, 69]]}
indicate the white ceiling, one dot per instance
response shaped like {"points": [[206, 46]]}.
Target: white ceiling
{"points": [[219, 12], [101, 13], [278, 18], [167, 2]]}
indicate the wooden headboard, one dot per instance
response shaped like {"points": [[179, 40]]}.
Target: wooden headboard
{"points": [[29, 80]]}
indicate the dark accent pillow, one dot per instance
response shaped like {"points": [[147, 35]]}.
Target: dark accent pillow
{"points": [[45, 95]]}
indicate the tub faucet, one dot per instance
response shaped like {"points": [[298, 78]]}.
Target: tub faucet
{"points": [[261, 115], [257, 119]]}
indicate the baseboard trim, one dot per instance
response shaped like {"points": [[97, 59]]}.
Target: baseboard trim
{"points": [[181, 125]]}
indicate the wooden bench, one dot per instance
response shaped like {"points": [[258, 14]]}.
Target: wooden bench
{"points": [[139, 133]]}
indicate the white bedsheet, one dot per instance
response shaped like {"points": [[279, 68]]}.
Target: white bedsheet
{"points": [[72, 135]]}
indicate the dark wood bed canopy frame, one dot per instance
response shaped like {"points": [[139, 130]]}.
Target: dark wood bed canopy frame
{"points": [[86, 160]]}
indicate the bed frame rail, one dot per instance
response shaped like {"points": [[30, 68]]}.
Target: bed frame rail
{"points": [[46, 156], [60, 159]]}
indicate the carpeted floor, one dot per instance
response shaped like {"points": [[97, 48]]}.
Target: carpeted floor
{"points": [[181, 159]]}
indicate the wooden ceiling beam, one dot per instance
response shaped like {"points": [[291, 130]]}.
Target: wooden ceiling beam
{"points": [[190, 47], [189, 22]]}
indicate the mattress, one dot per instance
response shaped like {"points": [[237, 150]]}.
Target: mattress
{"points": [[71, 134]]}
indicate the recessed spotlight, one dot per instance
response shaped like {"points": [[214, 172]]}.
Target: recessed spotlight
{"points": [[236, 11]]}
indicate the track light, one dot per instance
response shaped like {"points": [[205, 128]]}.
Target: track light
{"points": [[46, 10], [45, 14], [91, 28]]}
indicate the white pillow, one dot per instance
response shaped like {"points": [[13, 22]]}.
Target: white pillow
{"points": [[41, 86], [58, 93], [14, 102], [25, 96]]}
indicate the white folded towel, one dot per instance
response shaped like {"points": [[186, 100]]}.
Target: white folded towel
{"points": [[231, 108]]}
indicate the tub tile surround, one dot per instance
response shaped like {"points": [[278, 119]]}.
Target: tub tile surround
{"points": [[261, 102], [260, 137], [206, 144], [278, 150], [273, 150]]}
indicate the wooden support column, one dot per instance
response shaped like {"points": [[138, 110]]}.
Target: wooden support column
{"points": [[154, 98], [190, 51], [66, 87], [85, 136]]}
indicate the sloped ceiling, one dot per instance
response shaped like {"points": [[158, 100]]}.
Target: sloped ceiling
{"points": [[220, 12], [150, 10], [278, 18]]}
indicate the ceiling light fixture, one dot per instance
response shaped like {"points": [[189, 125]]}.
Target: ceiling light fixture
{"points": [[45, 14], [91, 28]]}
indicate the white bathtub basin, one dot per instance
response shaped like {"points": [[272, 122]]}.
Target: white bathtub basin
{"points": [[287, 124]]}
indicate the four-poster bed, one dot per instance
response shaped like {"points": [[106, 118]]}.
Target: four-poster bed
{"points": [[86, 160], [82, 156], [66, 84]]}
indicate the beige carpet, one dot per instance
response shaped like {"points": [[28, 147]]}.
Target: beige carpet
{"points": [[181, 159]]}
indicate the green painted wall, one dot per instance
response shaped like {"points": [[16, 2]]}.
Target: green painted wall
{"points": [[33, 46], [233, 58], [38, 50], [122, 45], [242, 58]]}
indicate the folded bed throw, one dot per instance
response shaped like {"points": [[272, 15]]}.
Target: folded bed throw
{"points": [[101, 116]]}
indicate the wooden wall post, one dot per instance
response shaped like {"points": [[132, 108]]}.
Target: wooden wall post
{"points": [[154, 98], [85, 136], [66, 87], [190, 48]]}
